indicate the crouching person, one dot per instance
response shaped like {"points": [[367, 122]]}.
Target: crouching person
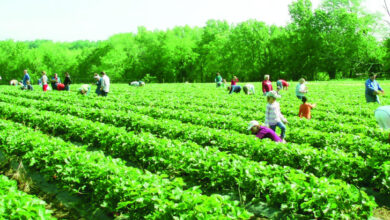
{"points": [[236, 89], [84, 90], [263, 132], [249, 89]]}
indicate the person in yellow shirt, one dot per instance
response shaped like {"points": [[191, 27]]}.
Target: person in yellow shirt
{"points": [[305, 109]]}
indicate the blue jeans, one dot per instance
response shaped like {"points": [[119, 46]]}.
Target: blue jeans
{"points": [[67, 87], [282, 128]]}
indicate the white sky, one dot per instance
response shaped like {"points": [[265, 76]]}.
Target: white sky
{"points": [[69, 20]]}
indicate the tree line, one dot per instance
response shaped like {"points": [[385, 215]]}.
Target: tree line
{"points": [[336, 40]]}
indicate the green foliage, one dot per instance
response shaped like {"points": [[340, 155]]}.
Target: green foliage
{"points": [[338, 38], [16, 204]]}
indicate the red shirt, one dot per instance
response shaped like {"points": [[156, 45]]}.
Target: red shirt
{"points": [[305, 110], [267, 86], [284, 83], [234, 82]]}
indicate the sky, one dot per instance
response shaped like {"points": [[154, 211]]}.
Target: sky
{"points": [[70, 20]]}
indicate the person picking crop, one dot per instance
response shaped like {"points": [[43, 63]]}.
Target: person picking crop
{"points": [[263, 132], [234, 81], [301, 88], [84, 89], [282, 84], [305, 109], [373, 89], [382, 115], [249, 89], [236, 89], [218, 80], [273, 116]]}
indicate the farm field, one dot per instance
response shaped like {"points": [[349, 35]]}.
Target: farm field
{"points": [[182, 150]]}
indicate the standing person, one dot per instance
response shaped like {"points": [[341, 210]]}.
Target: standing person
{"points": [[218, 80], [305, 109], [266, 85], [382, 115], [98, 84], [105, 87], [263, 132], [301, 88], [234, 81], [236, 89], [67, 81], [373, 89], [273, 116], [249, 89], [84, 89], [54, 81], [26, 78], [44, 81]]}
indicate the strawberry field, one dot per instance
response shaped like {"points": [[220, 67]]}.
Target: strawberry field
{"points": [[182, 151]]}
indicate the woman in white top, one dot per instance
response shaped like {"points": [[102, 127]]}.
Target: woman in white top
{"points": [[44, 81], [249, 89], [301, 88], [382, 115], [105, 88]]}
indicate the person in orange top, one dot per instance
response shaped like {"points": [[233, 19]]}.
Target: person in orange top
{"points": [[305, 109]]}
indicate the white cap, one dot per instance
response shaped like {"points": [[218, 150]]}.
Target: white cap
{"points": [[252, 123], [273, 94]]}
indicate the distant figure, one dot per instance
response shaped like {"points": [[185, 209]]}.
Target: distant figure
{"points": [[54, 81], [14, 82], [224, 83], [249, 89], [44, 80], [84, 89], [105, 87], [137, 83], [373, 89], [28, 86], [67, 81], [305, 109], [263, 132], [218, 80], [282, 84], [273, 115], [266, 85], [301, 88], [98, 84], [234, 81], [236, 89], [382, 115], [26, 78]]}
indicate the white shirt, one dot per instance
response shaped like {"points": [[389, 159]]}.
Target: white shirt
{"points": [[44, 80], [135, 83], [273, 114], [106, 83]]}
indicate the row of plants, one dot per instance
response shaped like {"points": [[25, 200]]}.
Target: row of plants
{"points": [[295, 193], [108, 183], [16, 204], [347, 166]]}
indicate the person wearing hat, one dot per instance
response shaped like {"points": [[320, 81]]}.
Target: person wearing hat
{"points": [[249, 89], [263, 132], [84, 89], [301, 88], [373, 89], [273, 116], [382, 115]]}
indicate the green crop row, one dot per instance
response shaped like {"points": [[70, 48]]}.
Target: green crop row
{"points": [[359, 145], [294, 192], [109, 183], [15, 204], [346, 166]]}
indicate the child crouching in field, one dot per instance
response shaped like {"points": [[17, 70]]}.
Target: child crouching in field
{"points": [[305, 109], [273, 116]]}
